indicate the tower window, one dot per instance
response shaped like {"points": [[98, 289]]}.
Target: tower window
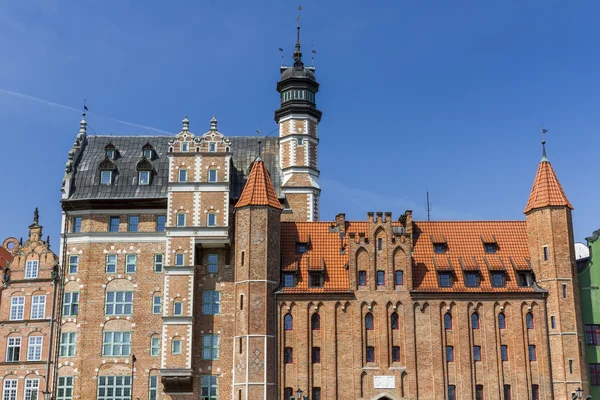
{"points": [[395, 353], [398, 278], [370, 354], [475, 321], [288, 322], [476, 353], [504, 352], [212, 175], [564, 290], [379, 244], [535, 392], [183, 175], [531, 349], [362, 278], [553, 322], [449, 353], [185, 147], [148, 154], [300, 141], [501, 321], [110, 154], [380, 278], [212, 147], [546, 254], [211, 219], [288, 355]]}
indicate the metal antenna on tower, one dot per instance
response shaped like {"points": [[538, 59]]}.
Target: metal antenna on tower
{"points": [[428, 208], [281, 50], [313, 54]]}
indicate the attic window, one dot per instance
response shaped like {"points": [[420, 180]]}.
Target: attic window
{"points": [[439, 248], [144, 177], [301, 248], [212, 147], [445, 279], [289, 280], [148, 151], [490, 248], [111, 151], [185, 147], [107, 168], [144, 168], [316, 279], [106, 177], [472, 279]]}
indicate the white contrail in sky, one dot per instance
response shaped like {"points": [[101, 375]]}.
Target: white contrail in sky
{"points": [[65, 107]]}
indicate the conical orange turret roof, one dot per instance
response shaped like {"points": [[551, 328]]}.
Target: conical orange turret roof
{"points": [[546, 190], [259, 190]]}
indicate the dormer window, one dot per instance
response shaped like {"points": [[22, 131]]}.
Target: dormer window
{"points": [[439, 248], [144, 177], [301, 248], [490, 248], [144, 168], [498, 279], [445, 279], [111, 151], [106, 177], [185, 147], [212, 147], [148, 154], [110, 154], [316, 279], [472, 279], [148, 151]]}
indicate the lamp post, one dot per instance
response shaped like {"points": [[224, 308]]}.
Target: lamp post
{"points": [[579, 392], [47, 395], [299, 393]]}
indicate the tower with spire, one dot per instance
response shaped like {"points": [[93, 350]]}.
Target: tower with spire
{"points": [[298, 118]]}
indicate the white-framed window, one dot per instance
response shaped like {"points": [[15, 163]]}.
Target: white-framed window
{"points": [[213, 263], [210, 347], [181, 219], [119, 303], [106, 177], [110, 154], [185, 147], [144, 177], [157, 304], [76, 224], [148, 154], [211, 302], [179, 259], [32, 387], [177, 308], [9, 392], [154, 346], [114, 387], [208, 390], [212, 175], [34, 348], [111, 263], [64, 388], [212, 147], [116, 344], [71, 303], [176, 346], [31, 269], [131, 263], [73, 264], [183, 175], [68, 344], [153, 388], [158, 262], [13, 349], [17, 307], [38, 307], [211, 219]]}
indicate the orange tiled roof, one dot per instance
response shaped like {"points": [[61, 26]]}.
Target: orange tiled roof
{"points": [[546, 190], [5, 257], [259, 190], [464, 243]]}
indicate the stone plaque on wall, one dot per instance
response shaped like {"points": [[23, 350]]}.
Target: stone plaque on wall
{"points": [[384, 382]]}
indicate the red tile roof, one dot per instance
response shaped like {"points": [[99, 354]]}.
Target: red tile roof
{"points": [[5, 257], [546, 190], [259, 190]]}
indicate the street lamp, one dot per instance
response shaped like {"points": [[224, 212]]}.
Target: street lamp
{"points": [[299, 393], [579, 392], [47, 395]]}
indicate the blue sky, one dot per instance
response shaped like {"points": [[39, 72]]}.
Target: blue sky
{"points": [[445, 96]]}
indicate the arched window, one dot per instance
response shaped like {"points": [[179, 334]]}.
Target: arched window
{"points": [[529, 320], [315, 322], [395, 322], [475, 321], [501, 321], [369, 321], [447, 321], [288, 322]]}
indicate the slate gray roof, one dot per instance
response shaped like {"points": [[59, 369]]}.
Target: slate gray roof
{"points": [[86, 180]]}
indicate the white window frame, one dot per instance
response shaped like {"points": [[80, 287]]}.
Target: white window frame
{"points": [[64, 388], [212, 147], [73, 264], [116, 343], [111, 266], [119, 383], [71, 305], [32, 389], [144, 178], [159, 260], [148, 154], [211, 172], [130, 263], [106, 177], [32, 268], [210, 383], [153, 387], [68, 344], [185, 175], [38, 307], [180, 219], [119, 302], [17, 308], [9, 390], [211, 302], [13, 343], [34, 348], [178, 307], [110, 154], [155, 346], [208, 217], [157, 306], [185, 147]]}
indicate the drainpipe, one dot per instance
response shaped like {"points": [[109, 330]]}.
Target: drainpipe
{"points": [[54, 292]]}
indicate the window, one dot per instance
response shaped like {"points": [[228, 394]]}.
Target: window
{"points": [[179, 259], [504, 352], [105, 177], [299, 142], [114, 224], [439, 248], [369, 322], [211, 219], [553, 322], [177, 308], [498, 279], [154, 346], [158, 262], [17, 307], [592, 334], [472, 279], [523, 280], [476, 353], [288, 322], [212, 175], [161, 221], [315, 322], [399, 278], [370, 355], [208, 390], [451, 392], [479, 392], [475, 321], [362, 278], [546, 255], [119, 303], [507, 393], [531, 348], [111, 263], [445, 279], [34, 348], [395, 322], [64, 388], [529, 320], [212, 147], [156, 304], [316, 355], [447, 321], [210, 347], [114, 387], [176, 346], [288, 355], [10, 389], [38, 307], [133, 222], [395, 353], [67, 344], [211, 302], [490, 248], [147, 153], [71, 303], [501, 321], [316, 279], [76, 224], [379, 244], [301, 248], [153, 388], [185, 147], [570, 366], [595, 374], [110, 154], [564, 290], [183, 175], [316, 393], [73, 264], [535, 392], [243, 257], [380, 278], [144, 177], [131, 263], [449, 354], [213, 263], [288, 280], [13, 349], [116, 343]]}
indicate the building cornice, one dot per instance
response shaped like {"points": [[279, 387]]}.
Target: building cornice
{"points": [[115, 204], [110, 237]]}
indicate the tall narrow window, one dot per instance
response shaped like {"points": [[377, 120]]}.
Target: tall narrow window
{"points": [[133, 223], [179, 259], [316, 393], [451, 392], [154, 346], [181, 219], [208, 390], [177, 308], [535, 392], [213, 263], [531, 350], [287, 393], [507, 393], [32, 387], [111, 263], [399, 278], [73, 264], [395, 322], [211, 219], [210, 347], [212, 175], [447, 321], [570, 366], [161, 221], [157, 304], [183, 175], [71, 304], [144, 177], [17, 307], [564, 290], [185, 147], [288, 355], [362, 278], [479, 392], [529, 320], [212, 147], [369, 322], [546, 255], [76, 224], [501, 321], [379, 244], [449, 354], [504, 352], [380, 278], [475, 321], [131, 263], [315, 322], [13, 349], [113, 225], [288, 322], [38, 307], [153, 387], [395, 353], [34, 348], [176, 346], [67, 344], [476, 353], [553, 322], [158, 262], [316, 355], [370, 354]]}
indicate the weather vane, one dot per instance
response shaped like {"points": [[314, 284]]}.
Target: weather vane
{"points": [[259, 141], [544, 131], [298, 20]]}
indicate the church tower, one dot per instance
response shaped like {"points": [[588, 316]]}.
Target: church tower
{"points": [[551, 247], [298, 119]]}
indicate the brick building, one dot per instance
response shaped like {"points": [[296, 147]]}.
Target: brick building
{"points": [[194, 266]]}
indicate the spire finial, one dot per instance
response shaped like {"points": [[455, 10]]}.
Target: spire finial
{"points": [[186, 124], [544, 131], [297, 52], [213, 123], [36, 216]]}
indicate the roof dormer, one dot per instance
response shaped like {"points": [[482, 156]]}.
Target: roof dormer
{"points": [[148, 151], [110, 151], [144, 168], [107, 170]]}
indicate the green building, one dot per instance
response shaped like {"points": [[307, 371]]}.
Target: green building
{"points": [[589, 286]]}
